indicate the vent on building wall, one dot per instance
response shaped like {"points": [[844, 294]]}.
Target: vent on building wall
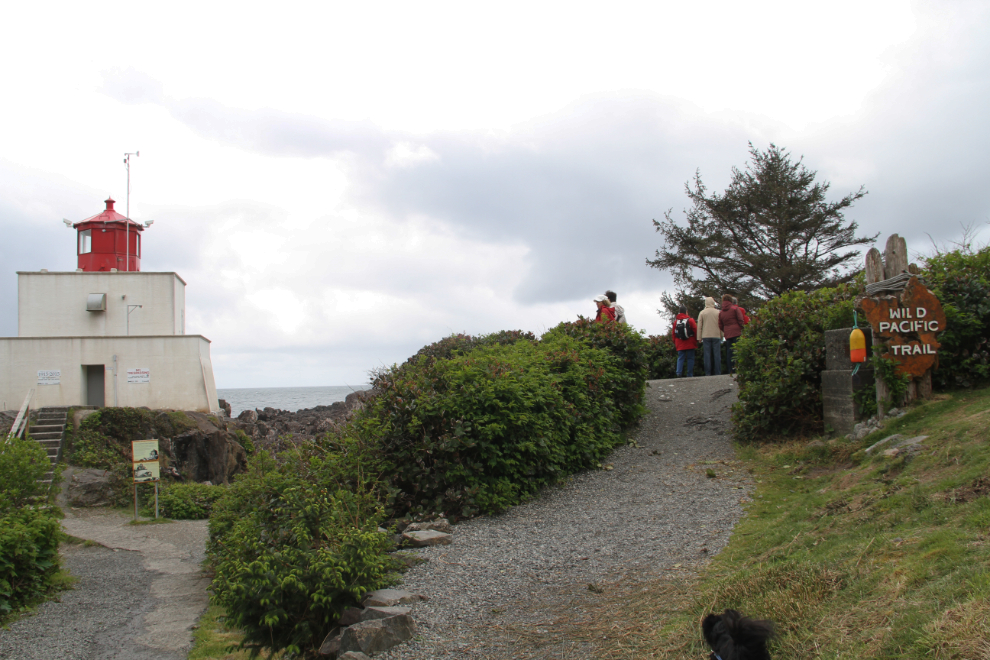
{"points": [[96, 302]]}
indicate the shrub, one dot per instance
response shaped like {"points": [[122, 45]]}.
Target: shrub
{"points": [[29, 537], [961, 280], [779, 361], [661, 358], [291, 550], [483, 431], [629, 349], [188, 501], [28, 556], [22, 463]]}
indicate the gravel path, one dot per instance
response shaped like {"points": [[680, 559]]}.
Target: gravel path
{"points": [[139, 593], [656, 509]]}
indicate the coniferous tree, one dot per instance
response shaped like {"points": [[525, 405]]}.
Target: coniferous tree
{"points": [[771, 231]]}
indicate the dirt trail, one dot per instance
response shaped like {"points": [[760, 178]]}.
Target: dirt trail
{"points": [[139, 593]]}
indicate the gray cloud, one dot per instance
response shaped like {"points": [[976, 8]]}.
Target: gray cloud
{"points": [[580, 186]]}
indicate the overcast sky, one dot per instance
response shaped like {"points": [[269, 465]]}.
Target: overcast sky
{"points": [[342, 183]]}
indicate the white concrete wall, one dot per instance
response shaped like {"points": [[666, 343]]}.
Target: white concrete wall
{"points": [[181, 371], [54, 304]]}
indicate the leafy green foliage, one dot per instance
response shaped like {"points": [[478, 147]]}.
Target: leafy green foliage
{"points": [[628, 388], [772, 231], [188, 501], [661, 357], [22, 462], [480, 432], [28, 555], [460, 344], [897, 384], [779, 360], [29, 536], [961, 280], [291, 549]]}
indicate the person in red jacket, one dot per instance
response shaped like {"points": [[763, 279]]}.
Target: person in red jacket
{"points": [[730, 322], [735, 301], [605, 313], [685, 334]]}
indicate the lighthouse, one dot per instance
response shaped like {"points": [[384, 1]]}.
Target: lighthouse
{"points": [[109, 241], [106, 334]]}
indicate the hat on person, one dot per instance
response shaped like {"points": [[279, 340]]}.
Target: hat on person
{"points": [[601, 299]]}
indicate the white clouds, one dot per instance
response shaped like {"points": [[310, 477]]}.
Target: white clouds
{"points": [[342, 183]]}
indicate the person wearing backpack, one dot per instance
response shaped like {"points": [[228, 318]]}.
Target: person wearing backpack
{"points": [[730, 322], [685, 333], [711, 338]]}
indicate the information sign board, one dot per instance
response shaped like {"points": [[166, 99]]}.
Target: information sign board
{"points": [[49, 376], [145, 457], [909, 325], [139, 375]]}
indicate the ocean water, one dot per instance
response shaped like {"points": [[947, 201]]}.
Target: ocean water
{"points": [[283, 398]]}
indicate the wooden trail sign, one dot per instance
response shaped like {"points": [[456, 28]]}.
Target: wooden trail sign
{"points": [[908, 324]]}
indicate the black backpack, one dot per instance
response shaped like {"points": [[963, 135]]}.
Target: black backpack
{"points": [[682, 329]]}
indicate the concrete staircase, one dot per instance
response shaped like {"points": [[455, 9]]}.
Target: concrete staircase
{"points": [[49, 430]]}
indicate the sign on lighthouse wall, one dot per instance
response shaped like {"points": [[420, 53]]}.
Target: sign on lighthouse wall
{"points": [[908, 324]]}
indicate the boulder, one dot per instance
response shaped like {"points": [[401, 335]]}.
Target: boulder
{"points": [[889, 440], [248, 416], [350, 616], [331, 643], [377, 635], [426, 538], [224, 406], [389, 598], [373, 612], [354, 655], [206, 452], [438, 525], [89, 487]]}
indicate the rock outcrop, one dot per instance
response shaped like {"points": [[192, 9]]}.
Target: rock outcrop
{"points": [[270, 428]]}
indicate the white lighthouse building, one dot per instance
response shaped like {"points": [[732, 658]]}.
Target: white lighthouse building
{"points": [[106, 334]]}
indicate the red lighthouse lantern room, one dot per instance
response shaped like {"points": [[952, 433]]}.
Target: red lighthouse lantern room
{"points": [[109, 241]]}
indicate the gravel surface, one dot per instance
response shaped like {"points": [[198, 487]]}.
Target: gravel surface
{"points": [[654, 510], [139, 593]]}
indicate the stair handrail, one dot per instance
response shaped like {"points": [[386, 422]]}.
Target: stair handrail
{"points": [[20, 422]]}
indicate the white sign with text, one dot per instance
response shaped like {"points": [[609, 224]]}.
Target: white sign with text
{"points": [[139, 375], [49, 376]]}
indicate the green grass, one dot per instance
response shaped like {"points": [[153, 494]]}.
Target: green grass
{"points": [[852, 556], [212, 640]]}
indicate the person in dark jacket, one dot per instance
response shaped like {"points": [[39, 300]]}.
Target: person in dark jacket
{"points": [[730, 322], [685, 347]]}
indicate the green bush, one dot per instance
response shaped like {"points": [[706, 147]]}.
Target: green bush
{"points": [[22, 463], [188, 501], [961, 280], [482, 431], [29, 558], [779, 361], [29, 536], [291, 549], [661, 357], [628, 388]]}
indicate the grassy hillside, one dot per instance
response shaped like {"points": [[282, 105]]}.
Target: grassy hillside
{"points": [[852, 556]]}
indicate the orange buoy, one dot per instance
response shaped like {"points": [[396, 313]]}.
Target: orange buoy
{"points": [[857, 346]]}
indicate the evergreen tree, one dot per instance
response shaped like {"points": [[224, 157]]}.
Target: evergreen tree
{"points": [[771, 231]]}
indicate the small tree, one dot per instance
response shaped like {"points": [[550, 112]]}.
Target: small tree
{"points": [[770, 232]]}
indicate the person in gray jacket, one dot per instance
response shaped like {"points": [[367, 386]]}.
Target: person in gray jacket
{"points": [[620, 313], [711, 338]]}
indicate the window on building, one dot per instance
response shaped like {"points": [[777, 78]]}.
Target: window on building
{"points": [[85, 241], [137, 250]]}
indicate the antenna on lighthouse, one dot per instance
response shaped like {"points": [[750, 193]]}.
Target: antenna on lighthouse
{"points": [[127, 221]]}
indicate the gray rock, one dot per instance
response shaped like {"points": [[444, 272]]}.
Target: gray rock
{"points": [[372, 613], [390, 598], [248, 416], [89, 487], [377, 635], [426, 538], [331, 643], [910, 446], [438, 525], [350, 616], [883, 443], [894, 412], [354, 655]]}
